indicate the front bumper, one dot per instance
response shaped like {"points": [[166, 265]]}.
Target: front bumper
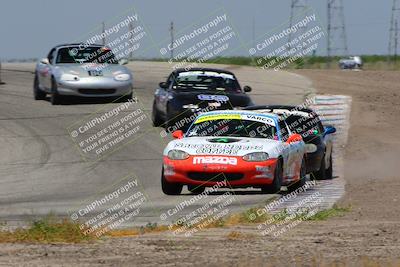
{"points": [[241, 174], [95, 87]]}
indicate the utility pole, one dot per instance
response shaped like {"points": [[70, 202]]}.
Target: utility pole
{"points": [[395, 42], [393, 32], [337, 40], [297, 7], [103, 33], [254, 32], [1, 82], [171, 29], [131, 35]]}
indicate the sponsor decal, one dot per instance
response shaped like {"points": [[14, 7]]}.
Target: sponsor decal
{"points": [[233, 116], [206, 73], [226, 116], [218, 98], [224, 147], [214, 104], [263, 119], [215, 160]]}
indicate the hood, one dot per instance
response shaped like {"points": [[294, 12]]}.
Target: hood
{"points": [[233, 146], [82, 70]]}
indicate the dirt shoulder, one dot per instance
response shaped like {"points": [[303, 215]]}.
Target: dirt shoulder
{"points": [[369, 232]]}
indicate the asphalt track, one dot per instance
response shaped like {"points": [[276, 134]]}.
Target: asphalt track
{"points": [[42, 171]]}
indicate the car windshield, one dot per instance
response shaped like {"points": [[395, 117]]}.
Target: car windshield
{"points": [[206, 80], [75, 55], [234, 128]]}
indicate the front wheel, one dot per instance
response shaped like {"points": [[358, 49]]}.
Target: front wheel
{"points": [[275, 187], [55, 98], [170, 188], [302, 177], [37, 93], [157, 122]]}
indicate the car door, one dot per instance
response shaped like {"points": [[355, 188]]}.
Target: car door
{"points": [[46, 74], [294, 152], [43, 71]]}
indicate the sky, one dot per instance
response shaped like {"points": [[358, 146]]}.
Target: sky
{"points": [[29, 28]]}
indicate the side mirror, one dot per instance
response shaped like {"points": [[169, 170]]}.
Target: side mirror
{"points": [[163, 85], [294, 138], [45, 61], [123, 61], [329, 130], [178, 134], [247, 88]]}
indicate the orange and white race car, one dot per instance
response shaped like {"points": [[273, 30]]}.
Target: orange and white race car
{"points": [[242, 148]]}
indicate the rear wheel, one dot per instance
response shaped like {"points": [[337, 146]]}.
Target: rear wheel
{"points": [[302, 181], [170, 188], [196, 189], [275, 187], [55, 97], [321, 173], [37, 93], [329, 171], [155, 116]]}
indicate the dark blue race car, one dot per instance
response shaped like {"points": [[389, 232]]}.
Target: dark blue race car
{"points": [[318, 138], [187, 93]]}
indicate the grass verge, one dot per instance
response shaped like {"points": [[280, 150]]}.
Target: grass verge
{"points": [[52, 230], [47, 230]]}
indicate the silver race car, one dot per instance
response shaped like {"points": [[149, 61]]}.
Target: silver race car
{"points": [[81, 70]]}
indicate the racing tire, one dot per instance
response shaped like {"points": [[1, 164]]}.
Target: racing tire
{"points": [[196, 189], [329, 171], [302, 181], [55, 98], [171, 189], [155, 117], [37, 93], [321, 173], [128, 97], [275, 187]]}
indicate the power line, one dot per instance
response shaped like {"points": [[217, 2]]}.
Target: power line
{"points": [[297, 7], [171, 29], [131, 34], [337, 40], [103, 32]]}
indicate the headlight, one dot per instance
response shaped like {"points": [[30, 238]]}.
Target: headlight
{"points": [[69, 77], [122, 77], [177, 154], [310, 148], [256, 156], [191, 106]]}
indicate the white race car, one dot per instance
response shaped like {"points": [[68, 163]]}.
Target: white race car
{"points": [[242, 148]]}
